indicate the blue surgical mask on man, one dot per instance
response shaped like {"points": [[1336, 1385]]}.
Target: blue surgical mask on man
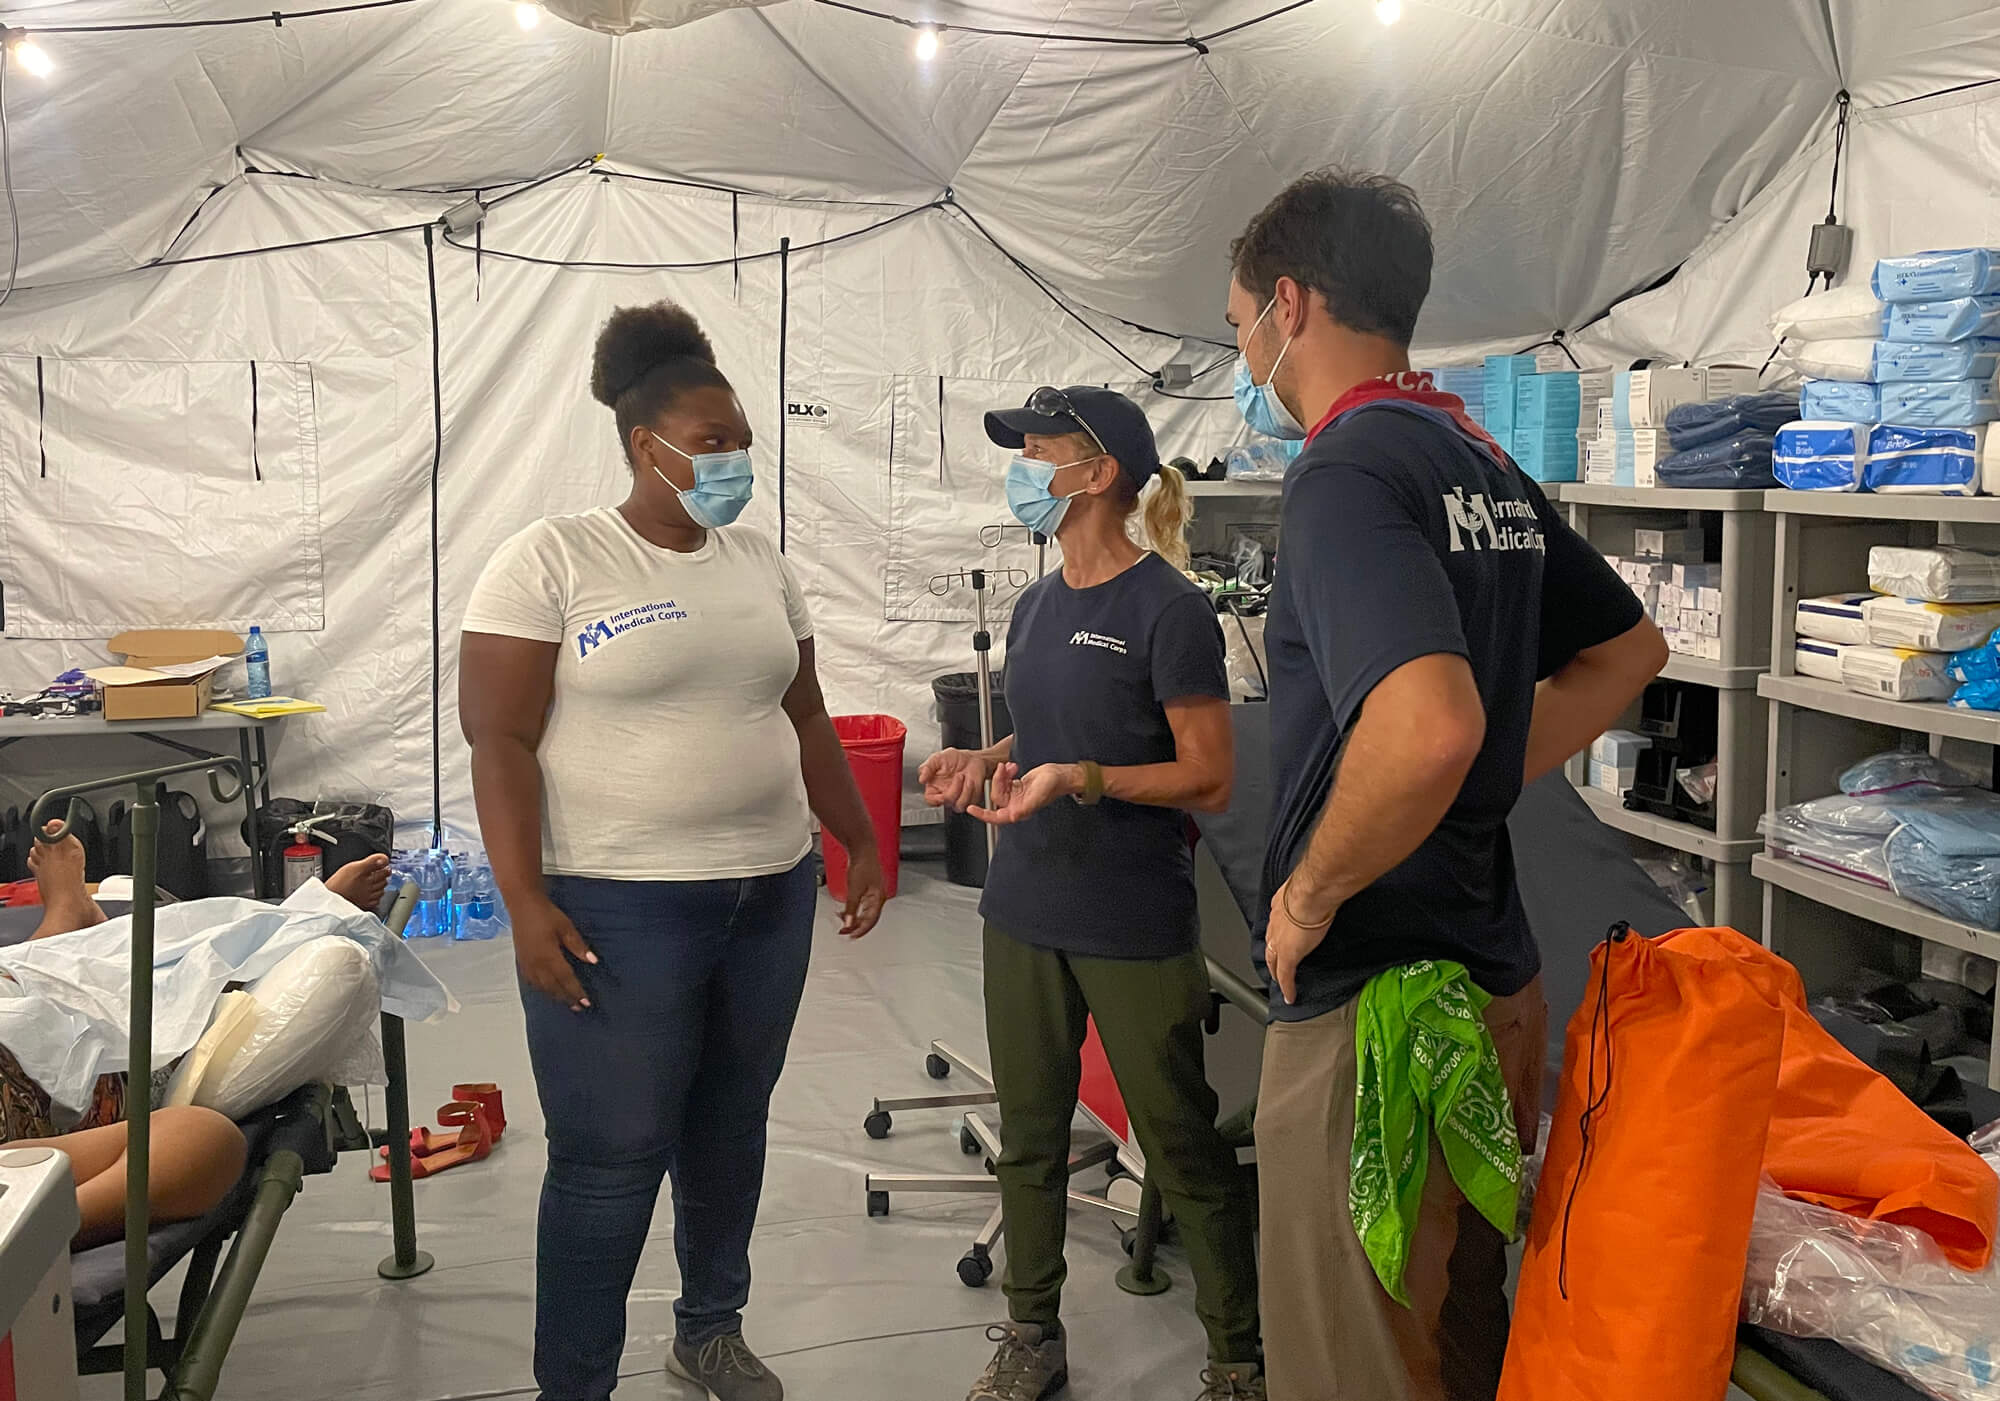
{"points": [[1029, 497], [723, 482], [1259, 404]]}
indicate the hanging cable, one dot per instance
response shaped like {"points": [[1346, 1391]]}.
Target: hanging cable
{"points": [[7, 173], [784, 409], [1197, 42], [1839, 148], [275, 18], [1046, 290]]}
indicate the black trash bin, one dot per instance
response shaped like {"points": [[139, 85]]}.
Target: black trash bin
{"points": [[958, 724]]}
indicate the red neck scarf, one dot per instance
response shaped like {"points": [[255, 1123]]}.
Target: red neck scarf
{"points": [[1410, 387]]}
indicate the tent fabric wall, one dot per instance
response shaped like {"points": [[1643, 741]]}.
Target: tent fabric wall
{"points": [[1568, 154]]}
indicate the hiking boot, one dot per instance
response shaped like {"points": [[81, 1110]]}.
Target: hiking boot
{"points": [[1032, 1363], [1232, 1381], [726, 1368]]}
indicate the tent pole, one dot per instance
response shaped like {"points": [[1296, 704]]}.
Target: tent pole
{"points": [[784, 409], [139, 1086]]}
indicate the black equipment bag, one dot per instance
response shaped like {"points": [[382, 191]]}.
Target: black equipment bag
{"points": [[181, 849]]}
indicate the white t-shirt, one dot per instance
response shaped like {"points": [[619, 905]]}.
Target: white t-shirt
{"points": [[667, 754]]}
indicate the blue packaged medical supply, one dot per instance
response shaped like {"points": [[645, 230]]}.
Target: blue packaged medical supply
{"points": [[1840, 401], [1501, 374], [1946, 856], [1973, 359], [1939, 275], [1958, 404], [1694, 425], [1981, 663], [1983, 694], [1923, 461], [1932, 323], [1741, 463], [1548, 401], [1820, 455]]}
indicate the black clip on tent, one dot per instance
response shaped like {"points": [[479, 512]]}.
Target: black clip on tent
{"points": [[298, 1136]]}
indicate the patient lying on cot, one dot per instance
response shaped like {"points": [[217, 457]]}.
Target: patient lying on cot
{"points": [[197, 1154]]}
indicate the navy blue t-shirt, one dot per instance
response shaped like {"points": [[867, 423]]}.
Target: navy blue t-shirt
{"points": [[1401, 539], [1089, 674]]}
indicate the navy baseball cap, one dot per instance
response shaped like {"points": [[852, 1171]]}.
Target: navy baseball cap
{"points": [[1108, 418]]}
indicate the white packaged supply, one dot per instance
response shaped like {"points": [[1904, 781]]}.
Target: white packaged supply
{"points": [[1703, 623], [1929, 627], [1709, 600], [1610, 779], [1836, 617], [1896, 673], [1821, 659], [1643, 398], [1709, 649], [1619, 748], [1728, 381], [1832, 315], [1681, 546], [1989, 465], [1698, 576], [1937, 574], [1851, 359]]}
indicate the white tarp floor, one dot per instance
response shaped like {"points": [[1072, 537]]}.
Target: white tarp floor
{"points": [[845, 1308]]}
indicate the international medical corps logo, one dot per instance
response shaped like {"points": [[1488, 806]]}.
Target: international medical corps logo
{"points": [[595, 635], [1478, 522], [1097, 639]]}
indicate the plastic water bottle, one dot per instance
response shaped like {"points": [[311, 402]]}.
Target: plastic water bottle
{"points": [[478, 904], [257, 662], [432, 917]]}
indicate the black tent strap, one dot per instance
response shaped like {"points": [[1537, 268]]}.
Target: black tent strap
{"points": [[41, 417], [256, 467], [275, 18], [437, 604], [784, 409], [1196, 42]]}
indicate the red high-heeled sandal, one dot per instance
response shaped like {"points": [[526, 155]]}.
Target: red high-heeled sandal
{"points": [[424, 1142], [474, 1142]]}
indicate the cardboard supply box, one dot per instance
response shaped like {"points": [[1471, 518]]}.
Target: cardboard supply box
{"points": [[163, 677]]}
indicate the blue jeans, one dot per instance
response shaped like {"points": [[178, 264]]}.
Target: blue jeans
{"points": [[669, 1073]]}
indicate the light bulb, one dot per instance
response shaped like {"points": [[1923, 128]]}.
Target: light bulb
{"points": [[1388, 11], [927, 44], [33, 58], [527, 16]]}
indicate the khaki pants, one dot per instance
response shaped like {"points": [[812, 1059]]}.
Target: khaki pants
{"points": [[1330, 1332]]}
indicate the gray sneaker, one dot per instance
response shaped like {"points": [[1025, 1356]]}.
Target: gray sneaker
{"points": [[1232, 1381], [1031, 1364], [725, 1368]]}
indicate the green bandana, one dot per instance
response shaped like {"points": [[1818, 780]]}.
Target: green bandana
{"points": [[1424, 1057]]}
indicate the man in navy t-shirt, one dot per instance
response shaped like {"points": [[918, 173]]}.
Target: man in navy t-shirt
{"points": [[1437, 636]]}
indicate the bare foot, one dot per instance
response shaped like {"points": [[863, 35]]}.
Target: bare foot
{"points": [[58, 872], [362, 883]]}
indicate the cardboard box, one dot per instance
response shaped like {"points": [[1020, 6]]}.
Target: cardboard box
{"points": [[1643, 398], [1608, 778], [1619, 748], [1674, 546], [1728, 381], [139, 691], [1698, 576], [1709, 600]]}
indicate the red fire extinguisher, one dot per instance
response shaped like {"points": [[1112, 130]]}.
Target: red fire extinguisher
{"points": [[305, 859]]}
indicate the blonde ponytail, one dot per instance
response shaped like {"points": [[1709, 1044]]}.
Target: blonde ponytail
{"points": [[1168, 512]]}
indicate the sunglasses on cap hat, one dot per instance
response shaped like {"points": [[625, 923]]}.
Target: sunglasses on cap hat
{"points": [[1050, 402]]}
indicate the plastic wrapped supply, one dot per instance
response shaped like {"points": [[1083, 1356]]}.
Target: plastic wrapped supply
{"points": [[1851, 359], [1741, 463], [1956, 319], [1895, 673], [1929, 627], [1945, 855], [1840, 313], [1697, 425], [1901, 771], [1941, 574], [1983, 694], [1820, 659], [1836, 617], [1841, 401], [1980, 663], [1959, 403], [1820, 455], [1973, 359], [1938, 275], [1851, 854], [1923, 461]]}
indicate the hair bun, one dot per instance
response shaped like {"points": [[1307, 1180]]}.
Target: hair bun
{"points": [[636, 339]]}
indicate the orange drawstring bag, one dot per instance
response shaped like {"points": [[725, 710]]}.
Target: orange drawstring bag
{"points": [[1641, 1227]]}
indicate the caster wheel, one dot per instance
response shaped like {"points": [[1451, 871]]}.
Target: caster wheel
{"points": [[936, 1066], [1125, 1192], [968, 1142], [878, 1124], [992, 1168], [975, 1268], [1115, 1171], [1128, 1239], [878, 1203]]}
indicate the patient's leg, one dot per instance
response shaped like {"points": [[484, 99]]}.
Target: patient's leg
{"points": [[361, 883], [58, 871], [196, 1157]]}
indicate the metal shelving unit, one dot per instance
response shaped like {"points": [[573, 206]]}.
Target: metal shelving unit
{"points": [[1824, 925], [1234, 488], [1606, 516]]}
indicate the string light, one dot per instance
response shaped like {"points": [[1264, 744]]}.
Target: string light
{"points": [[1388, 11], [527, 15], [927, 44]]}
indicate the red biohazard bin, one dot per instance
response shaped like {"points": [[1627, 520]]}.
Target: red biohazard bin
{"points": [[874, 745]]}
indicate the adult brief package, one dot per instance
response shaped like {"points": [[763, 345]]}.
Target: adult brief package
{"points": [[1960, 319], [1939, 573], [1929, 627], [1834, 618], [1820, 659], [1931, 277], [1842, 312], [1894, 673], [1923, 461], [1840, 401], [1973, 359], [1961, 403], [1820, 455]]}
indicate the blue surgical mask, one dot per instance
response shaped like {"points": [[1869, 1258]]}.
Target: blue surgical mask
{"points": [[722, 485], [1028, 494], [1259, 404]]}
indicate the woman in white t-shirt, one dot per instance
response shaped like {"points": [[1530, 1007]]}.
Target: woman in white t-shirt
{"points": [[648, 744]]}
